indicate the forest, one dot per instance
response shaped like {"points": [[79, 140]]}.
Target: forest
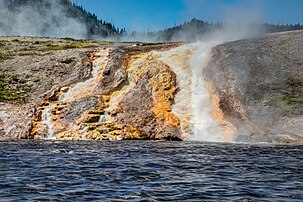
{"points": [[96, 28]]}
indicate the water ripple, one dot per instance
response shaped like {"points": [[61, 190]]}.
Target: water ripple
{"points": [[149, 171]]}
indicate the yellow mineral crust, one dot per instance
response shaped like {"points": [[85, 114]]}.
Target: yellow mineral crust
{"points": [[100, 123], [101, 131], [218, 114], [179, 60], [37, 130], [163, 82]]}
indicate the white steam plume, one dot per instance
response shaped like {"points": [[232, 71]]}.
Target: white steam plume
{"points": [[241, 19], [47, 19]]}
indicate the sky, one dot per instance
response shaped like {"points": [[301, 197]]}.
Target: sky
{"points": [[152, 15]]}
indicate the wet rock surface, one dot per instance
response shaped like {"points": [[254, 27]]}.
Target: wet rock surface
{"points": [[77, 90], [31, 69], [81, 94]]}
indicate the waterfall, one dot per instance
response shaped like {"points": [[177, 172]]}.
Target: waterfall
{"points": [[193, 101], [204, 125], [86, 87], [46, 119], [193, 105]]}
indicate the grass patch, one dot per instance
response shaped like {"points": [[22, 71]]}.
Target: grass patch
{"points": [[69, 46], [30, 48], [69, 39], [15, 78], [289, 99], [13, 88], [3, 57], [12, 95]]}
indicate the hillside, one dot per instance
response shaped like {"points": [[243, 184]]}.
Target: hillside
{"points": [[56, 18], [62, 18], [35, 71], [251, 90], [259, 83]]}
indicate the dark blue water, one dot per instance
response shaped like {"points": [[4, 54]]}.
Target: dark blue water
{"points": [[149, 171]]}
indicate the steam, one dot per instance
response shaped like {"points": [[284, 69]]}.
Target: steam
{"points": [[238, 25], [239, 19], [43, 19]]}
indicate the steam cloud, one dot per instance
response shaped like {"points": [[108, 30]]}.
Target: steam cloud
{"points": [[45, 19], [50, 18], [241, 20]]}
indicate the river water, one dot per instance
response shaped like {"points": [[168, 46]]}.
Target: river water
{"points": [[149, 171]]}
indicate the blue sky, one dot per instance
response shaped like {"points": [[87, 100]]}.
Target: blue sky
{"points": [[150, 15]]}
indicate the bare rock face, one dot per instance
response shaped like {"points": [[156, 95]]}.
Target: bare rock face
{"points": [[31, 69], [148, 105], [114, 74], [127, 96], [259, 83], [66, 89]]}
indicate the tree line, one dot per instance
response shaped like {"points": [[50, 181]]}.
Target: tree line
{"points": [[191, 30]]}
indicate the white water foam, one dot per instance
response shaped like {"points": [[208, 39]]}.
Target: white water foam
{"points": [[178, 60], [204, 125], [46, 119], [192, 103], [86, 86]]}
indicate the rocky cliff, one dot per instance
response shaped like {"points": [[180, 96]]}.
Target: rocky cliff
{"points": [[246, 91]]}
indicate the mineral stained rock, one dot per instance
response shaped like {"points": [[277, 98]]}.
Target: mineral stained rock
{"points": [[109, 92], [123, 98], [95, 90]]}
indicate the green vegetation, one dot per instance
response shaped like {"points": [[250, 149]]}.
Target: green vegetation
{"points": [[15, 78], [15, 40], [290, 99], [13, 88], [70, 46], [69, 39], [11, 94], [3, 57], [29, 48], [95, 26]]}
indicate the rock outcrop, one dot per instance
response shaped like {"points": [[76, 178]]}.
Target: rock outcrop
{"points": [[259, 83], [244, 91], [121, 101], [107, 91]]}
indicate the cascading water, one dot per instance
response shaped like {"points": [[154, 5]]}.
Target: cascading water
{"points": [[86, 87], [49, 114], [46, 119], [193, 104], [193, 101], [204, 125]]}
